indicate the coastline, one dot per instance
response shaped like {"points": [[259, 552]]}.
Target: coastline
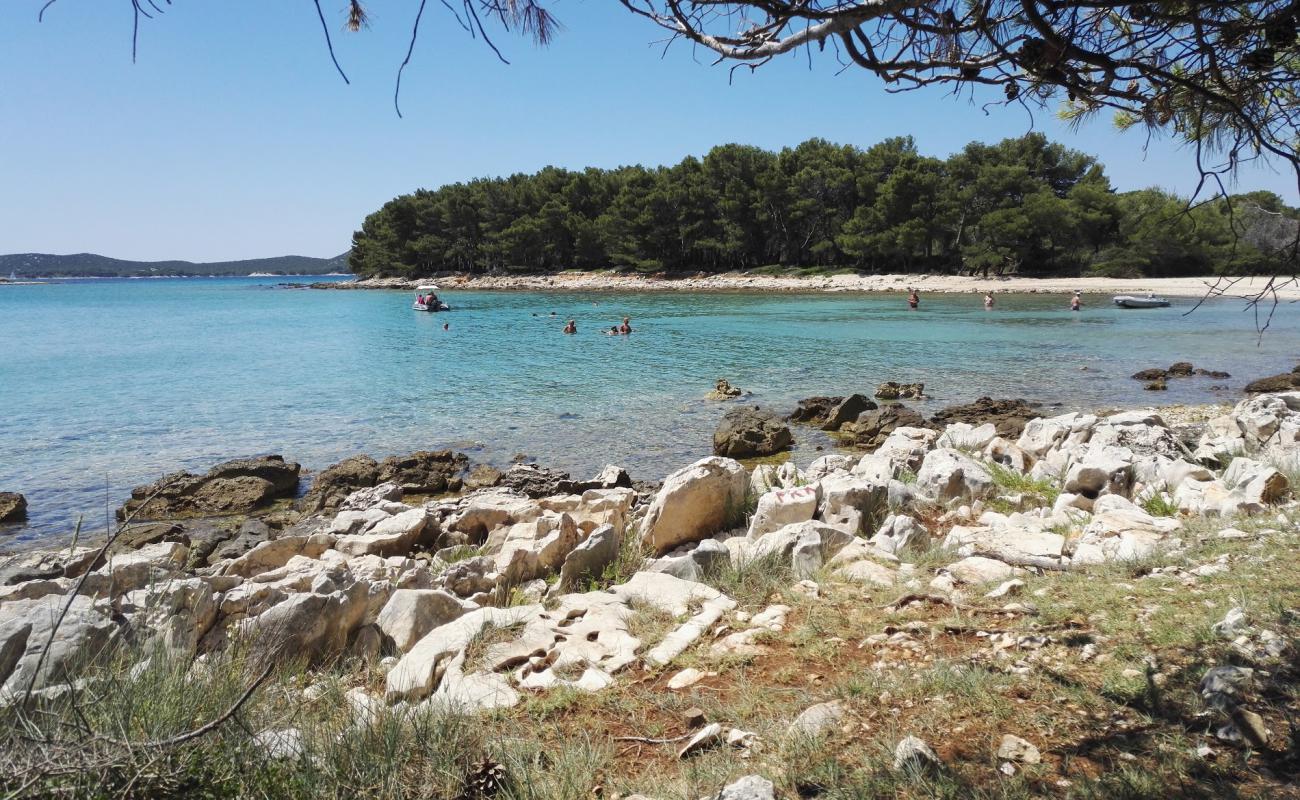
{"points": [[746, 604], [745, 282]]}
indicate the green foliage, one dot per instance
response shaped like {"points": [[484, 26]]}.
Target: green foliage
{"points": [[1023, 205]]}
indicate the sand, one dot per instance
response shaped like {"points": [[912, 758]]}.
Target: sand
{"points": [[1284, 289]]}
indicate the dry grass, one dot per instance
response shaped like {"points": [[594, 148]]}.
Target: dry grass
{"points": [[1125, 722]]}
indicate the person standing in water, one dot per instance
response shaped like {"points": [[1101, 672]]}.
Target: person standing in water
{"points": [[1076, 302], [570, 327], [988, 300], [626, 327], [913, 299]]}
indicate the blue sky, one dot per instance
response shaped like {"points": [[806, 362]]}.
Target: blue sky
{"points": [[233, 137]]}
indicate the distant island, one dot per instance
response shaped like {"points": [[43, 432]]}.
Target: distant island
{"points": [[90, 265]]}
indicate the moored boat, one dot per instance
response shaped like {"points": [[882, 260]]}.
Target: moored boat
{"points": [[1150, 301]]}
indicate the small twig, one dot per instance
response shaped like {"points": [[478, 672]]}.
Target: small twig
{"points": [[644, 740]]}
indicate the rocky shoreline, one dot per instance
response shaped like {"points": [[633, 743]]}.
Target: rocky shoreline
{"points": [[746, 282], [473, 590]]}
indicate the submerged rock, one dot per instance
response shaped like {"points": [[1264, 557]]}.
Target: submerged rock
{"points": [[893, 390], [750, 432], [13, 507]]}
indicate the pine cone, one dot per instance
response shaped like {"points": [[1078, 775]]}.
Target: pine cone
{"points": [[485, 781]]}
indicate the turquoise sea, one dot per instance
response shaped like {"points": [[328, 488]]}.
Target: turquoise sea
{"points": [[106, 384]]}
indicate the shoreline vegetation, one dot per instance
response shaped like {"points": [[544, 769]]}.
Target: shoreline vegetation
{"points": [[1024, 207], [1096, 290], [992, 602]]}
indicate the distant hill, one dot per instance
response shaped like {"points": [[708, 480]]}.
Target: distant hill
{"points": [[86, 265]]}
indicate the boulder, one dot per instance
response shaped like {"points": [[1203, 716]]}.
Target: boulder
{"points": [[978, 569], [1008, 417], [533, 480], [371, 497], [948, 474], [695, 502], [1103, 470], [750, 432], [590, 557], [903, 448], [823, 466], [13, 507], [781, 507], [32, 565], [695, 563], [750, 787], [337, 482], [851, 502], [872, 428], [425, 471], [847, 410], [818, 720], [814, 410], [965, 436], [316, 624], [1067, 431], [900, 532], [409, 614], [807, 545], [85, 636], [391, 536], [233, 487]]}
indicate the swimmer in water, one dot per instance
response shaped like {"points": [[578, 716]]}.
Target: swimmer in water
{"points": [[570, 327]]}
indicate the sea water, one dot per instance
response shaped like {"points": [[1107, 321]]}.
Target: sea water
{"points": [[107, 384]]}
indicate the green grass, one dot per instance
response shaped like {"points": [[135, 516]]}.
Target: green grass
{"points": [[1040, 491], [753, 582], [1157, 506]]}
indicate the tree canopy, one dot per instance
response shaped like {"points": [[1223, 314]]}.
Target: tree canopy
{"points": [[1023, 205]]}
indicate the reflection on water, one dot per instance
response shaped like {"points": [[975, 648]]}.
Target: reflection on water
{"points": [[112, 383]]}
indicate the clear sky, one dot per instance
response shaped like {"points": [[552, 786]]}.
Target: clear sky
{"points": [[233, 137]]}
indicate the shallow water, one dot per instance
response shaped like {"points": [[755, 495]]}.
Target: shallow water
{"points": [[111, 383]]}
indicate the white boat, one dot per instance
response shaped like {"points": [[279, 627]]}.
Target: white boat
{"points": [[1150, 301], [429, 293]]}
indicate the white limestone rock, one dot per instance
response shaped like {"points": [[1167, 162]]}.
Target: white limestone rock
{"points": [[696, 502]]}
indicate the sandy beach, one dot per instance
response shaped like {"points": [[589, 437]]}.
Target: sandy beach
{"points": [[1288, 290]]}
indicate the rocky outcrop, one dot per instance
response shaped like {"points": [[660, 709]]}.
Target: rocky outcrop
{"points": [[813, 410], [1156, 377], [871, 429], [234, 487], [723, 390], [423, 472], [1008, 417], [750, 432], [13, 507], [892, 390], [1285, 382]]}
